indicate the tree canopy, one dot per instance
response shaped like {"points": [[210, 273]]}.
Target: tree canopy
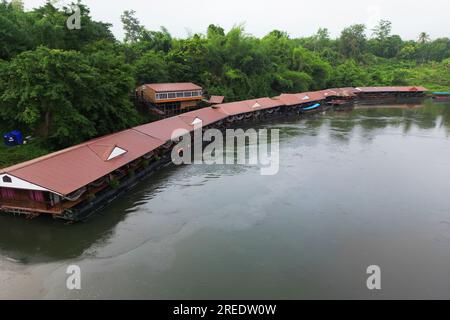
{"points": [[66, 86]]}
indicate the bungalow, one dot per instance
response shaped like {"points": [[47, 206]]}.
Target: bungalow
{"points": [[170, 98]]}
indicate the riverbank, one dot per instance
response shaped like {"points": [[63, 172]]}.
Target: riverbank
{"points": [[13, 155]]}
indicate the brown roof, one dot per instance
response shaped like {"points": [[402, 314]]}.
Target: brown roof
{"points": [[216, 99], [164, 129], [169, 87], [304, 97], [344, 92], [246, 106], [68, 170], [207, 115], [390, 89], [288, 99]]}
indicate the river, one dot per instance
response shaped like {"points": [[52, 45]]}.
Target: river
{"points": [[355, 189]]}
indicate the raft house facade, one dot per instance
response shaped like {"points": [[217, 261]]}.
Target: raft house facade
{"points": [[168, 99], [74, 183]]}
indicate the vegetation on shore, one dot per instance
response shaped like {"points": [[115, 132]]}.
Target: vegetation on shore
{"points": [[66, 86]]}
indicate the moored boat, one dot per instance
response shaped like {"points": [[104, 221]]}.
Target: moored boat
{"points": [[441, 96]]}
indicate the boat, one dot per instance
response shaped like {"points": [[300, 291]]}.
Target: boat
{"points": [[441, 96], [310, 108]]}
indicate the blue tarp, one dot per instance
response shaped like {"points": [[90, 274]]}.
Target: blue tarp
{"points": [[13, 138]]}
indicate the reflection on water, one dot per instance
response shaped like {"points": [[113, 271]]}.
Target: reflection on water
{"points": [[367, 186]]}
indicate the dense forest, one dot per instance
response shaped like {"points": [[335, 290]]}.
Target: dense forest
{"points": [[65, 86]]}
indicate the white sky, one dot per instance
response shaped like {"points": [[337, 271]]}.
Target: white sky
{"points": [[297, 17]]}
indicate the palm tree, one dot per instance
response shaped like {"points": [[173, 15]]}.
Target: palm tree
{"points": [[423, 38]]}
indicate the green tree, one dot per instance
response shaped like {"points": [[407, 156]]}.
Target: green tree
{"points": [[408, 52], [157, 40], [49, 29], [423, 38], [292, 82], [14, 30], [215, 31], [132, 26], [383, 30], [310, 63], [151, 68], [352, 42], [348, 74], [45, 89], [65, 97]]}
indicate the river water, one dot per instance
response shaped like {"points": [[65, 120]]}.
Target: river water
{"points": [[355, 189]]}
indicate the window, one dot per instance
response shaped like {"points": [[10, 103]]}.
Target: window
{"points": [[7, 179], [188, 94], [162, 96], [180, 94], [171, 95]]}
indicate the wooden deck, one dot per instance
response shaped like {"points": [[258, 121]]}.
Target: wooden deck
{"points": [[32, 207], [29, 206]]}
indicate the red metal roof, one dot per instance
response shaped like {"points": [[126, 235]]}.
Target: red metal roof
{"points": [[207, 115], [288, 99], [216, 99], [164, 129], [291, 99], [264, 103], [390, 89], [169, 87], [345, 92], [68, 170], [246, 106]]}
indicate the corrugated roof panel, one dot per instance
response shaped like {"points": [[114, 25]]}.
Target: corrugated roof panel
{"points": [[289, 99], [304, 97], [246, 106], [164, 129], [207, 115], [391, 89], [216, 99], [69, 170]]}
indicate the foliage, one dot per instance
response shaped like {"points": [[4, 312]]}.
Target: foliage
{"points": [[66, 97], [352, 42], [65, 86], [13, 155]]}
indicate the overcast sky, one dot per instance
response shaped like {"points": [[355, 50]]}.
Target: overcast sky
{"points": [[297, 17]]}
